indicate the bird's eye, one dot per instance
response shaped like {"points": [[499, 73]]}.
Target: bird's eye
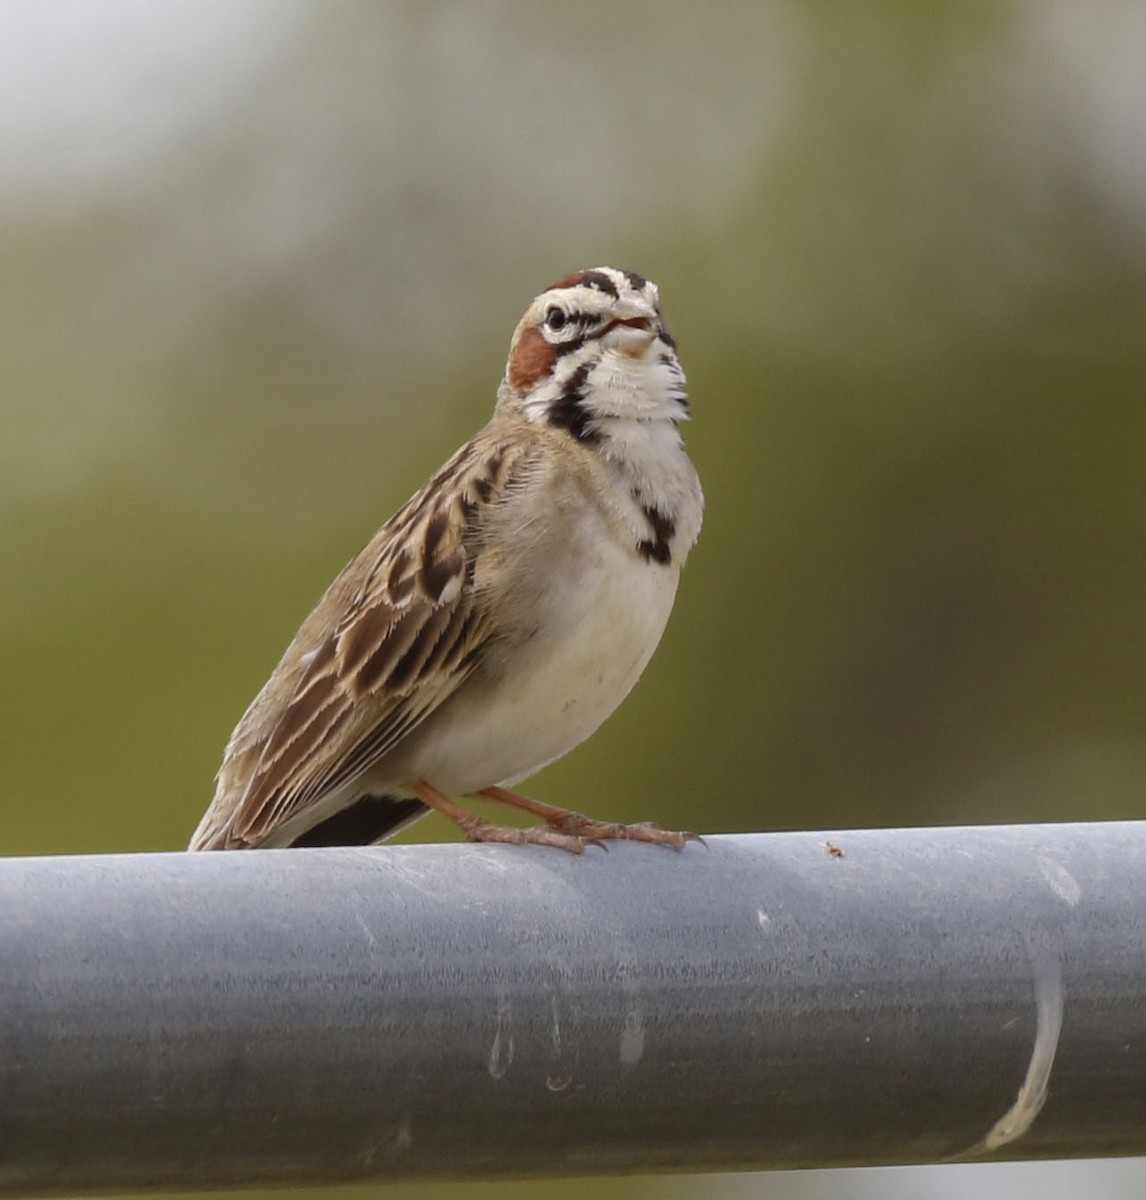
{"points": [[556, 318]]}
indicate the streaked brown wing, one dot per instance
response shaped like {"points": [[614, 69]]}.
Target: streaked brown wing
{"points": [[340, 723], [396, 634]]}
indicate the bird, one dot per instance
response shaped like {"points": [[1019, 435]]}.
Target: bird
{"points": [[501, 615]]}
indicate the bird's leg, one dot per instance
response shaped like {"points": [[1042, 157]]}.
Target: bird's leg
{"points": [[478, 829], [592, 832]]}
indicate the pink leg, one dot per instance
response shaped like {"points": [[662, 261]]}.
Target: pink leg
{"points": [[478, 829], [589, 830]]}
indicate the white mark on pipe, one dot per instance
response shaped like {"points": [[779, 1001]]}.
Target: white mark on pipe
{"points": [[555, 1032], [1061, 881], [390, 1144], [631, 1043], [555, 1080], [366, 930], [633, 1037], [1049, 997], [501, 1051], [762, 918]]}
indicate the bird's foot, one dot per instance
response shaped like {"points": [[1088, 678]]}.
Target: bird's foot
{"points": [[642, 831], [563, 829], [478, 829], [587, 830]]}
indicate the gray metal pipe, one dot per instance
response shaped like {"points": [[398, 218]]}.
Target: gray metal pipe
{"points": [[463, 1012]]}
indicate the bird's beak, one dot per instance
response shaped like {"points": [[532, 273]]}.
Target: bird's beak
{"points": [[634, 324]]}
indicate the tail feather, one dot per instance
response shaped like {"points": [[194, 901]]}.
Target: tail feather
{"points": [[365, 821]]}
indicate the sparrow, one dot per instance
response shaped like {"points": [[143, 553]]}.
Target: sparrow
{"points": [[498, 618]]}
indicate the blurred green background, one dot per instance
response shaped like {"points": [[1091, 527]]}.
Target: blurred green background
{"points": [[259, 264]]}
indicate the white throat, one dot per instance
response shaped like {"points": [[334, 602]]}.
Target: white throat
{"points": [[628, 408]]}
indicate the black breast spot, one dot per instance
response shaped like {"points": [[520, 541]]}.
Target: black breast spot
{"points": [[658, 547]]}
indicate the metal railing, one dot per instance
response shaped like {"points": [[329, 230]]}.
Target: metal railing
{"points": [[464, 1012]]}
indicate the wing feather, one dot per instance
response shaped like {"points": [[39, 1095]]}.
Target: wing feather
{"points": [[395, 635]]}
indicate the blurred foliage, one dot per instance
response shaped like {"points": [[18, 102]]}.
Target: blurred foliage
{"points": [[903, 250]]}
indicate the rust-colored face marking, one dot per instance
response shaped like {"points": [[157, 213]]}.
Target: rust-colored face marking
{"points": [[532, 359]]}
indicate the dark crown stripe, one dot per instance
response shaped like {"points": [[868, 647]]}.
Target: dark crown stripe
{"points": [[600, 281], [597, 279]]}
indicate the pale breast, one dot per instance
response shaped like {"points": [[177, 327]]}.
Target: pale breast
{"points": [[582, 620]]}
